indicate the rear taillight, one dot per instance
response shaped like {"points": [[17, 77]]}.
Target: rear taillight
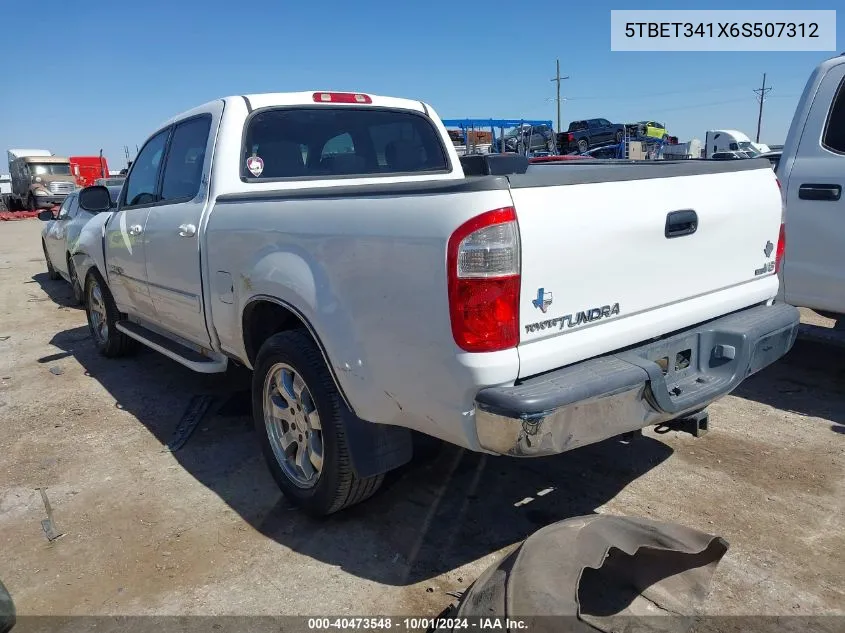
{"points": [[483, 269], [781, 247], [570, 137], [341, 97]]}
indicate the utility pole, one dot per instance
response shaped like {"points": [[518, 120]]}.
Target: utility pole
{"points": [[761, 97], [558, 79]]}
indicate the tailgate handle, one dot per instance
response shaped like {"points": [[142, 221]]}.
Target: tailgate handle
{"points": [[820, 192], [680, 223]]}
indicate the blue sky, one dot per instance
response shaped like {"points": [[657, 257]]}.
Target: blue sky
{"points": [[129, 67]]}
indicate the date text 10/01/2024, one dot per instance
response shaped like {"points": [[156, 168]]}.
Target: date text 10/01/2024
{"points": [[722, 29], [415, 624]]}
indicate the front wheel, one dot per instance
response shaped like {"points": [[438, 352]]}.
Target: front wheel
{"points": [[103, 317], [300, 420]]}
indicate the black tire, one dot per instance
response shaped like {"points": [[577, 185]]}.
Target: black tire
{"points": [[75, 285], [583, 145], [51, 272], [112, 343], [337, 486]]}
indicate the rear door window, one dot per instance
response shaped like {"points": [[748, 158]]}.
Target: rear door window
{"points": [[326, 142], [185, 159]]}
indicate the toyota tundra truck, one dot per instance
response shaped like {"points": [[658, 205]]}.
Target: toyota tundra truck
{"points": [[335, 244]]}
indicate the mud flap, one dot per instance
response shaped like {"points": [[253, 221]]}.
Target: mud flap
{"points": [[376, 448], [599, 572]]}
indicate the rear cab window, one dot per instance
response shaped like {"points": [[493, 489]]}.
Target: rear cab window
{"points": [[833, 137], [328, 142]]}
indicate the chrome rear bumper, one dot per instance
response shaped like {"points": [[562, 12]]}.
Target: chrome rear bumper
{"points": [[633, 388]]}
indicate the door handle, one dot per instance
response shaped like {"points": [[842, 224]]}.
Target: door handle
{"points": [[820, 192], [135, 229], [187, 230], [680, 223]]}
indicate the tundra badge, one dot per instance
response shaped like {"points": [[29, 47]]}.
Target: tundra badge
{"points": [[573, 320]]}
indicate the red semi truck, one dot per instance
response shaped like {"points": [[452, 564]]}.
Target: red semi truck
{"points": [[87, 169]]}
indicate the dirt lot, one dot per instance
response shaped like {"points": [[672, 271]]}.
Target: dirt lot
{"points": [[204, 530]]}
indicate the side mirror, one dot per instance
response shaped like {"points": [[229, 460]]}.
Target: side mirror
{"points": [[95, 199], [46, 215]]}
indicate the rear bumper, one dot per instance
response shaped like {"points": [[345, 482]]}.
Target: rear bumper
{"points": [[628, 390]]}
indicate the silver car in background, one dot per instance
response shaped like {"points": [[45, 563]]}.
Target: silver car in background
{"points": [[61, 234]]}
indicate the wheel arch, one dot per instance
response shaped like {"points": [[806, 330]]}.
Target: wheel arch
{"points": [[263, 316]]}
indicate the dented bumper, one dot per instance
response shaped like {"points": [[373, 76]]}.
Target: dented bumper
{"points": [[633, 388]]}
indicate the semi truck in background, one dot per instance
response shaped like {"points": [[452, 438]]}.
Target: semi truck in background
{"points": [[39, 179], [718, 141], [88, 169]]}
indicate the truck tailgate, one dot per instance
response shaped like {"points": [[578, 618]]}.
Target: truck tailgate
{"points": [[640, 243]]}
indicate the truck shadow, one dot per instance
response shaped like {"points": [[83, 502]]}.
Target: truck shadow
{"points": [[809, 380], [449, 507]]}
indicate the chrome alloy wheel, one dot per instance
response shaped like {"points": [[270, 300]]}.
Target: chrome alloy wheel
{"points": [[293, 425], [97, 315]]}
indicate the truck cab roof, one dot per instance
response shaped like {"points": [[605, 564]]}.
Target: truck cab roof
{"points": [[45, 159], [256, 101]]}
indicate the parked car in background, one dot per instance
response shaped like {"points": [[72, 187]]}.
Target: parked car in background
{"points": [[111, 181], [812, 175], [356, 284], [608, 151], [584, 135], [729, 155], [773, 157], [60, 235], [531, 138], [651, 129]]}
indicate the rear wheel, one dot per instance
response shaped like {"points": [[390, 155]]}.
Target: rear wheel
{"points": [[583, 145], [103, 317], [51, 272], [300, 420]]}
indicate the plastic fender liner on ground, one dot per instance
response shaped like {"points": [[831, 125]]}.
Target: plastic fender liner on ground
{"points": [[596, 572]]}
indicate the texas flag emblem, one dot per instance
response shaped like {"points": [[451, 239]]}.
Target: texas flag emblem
{"points": [[543, 300]]}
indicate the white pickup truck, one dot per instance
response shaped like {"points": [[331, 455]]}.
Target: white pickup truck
{"points": [[812, 171], [335, 244]]}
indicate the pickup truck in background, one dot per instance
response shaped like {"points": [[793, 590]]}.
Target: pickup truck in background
{"points": [[375, 283], [811, 169], [583, 135]]}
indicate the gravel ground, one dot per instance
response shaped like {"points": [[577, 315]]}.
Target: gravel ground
{"points": [[204, 530]]}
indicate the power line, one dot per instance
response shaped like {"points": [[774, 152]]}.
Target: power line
{"points": [[761, 97], [558, 79]]}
